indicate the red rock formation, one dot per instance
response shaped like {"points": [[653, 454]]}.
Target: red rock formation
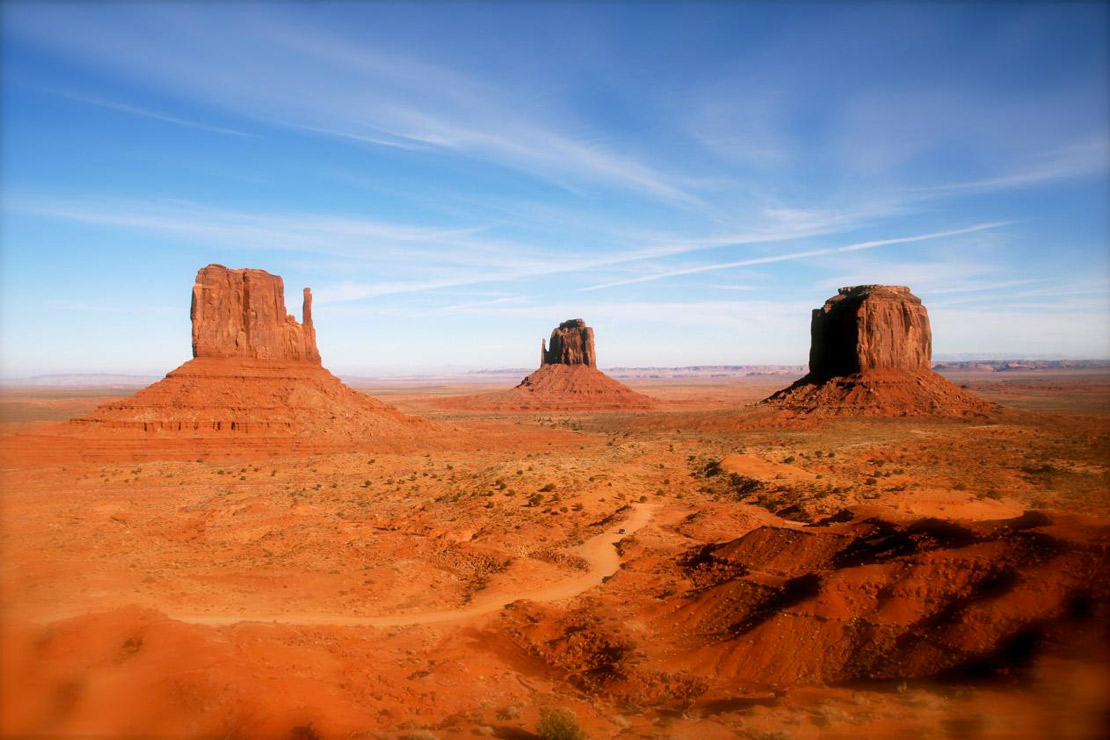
{"points": [[870, 354], [241, 313], [255, 371], [567, 379], [572, 343], [870, 327]]}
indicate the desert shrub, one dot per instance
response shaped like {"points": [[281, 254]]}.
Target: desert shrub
{"points": [[559, 724], [712, 468], [548, 488], [742, 485]]}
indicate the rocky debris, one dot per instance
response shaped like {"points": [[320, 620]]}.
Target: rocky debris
{"points": [[241, 313], [572, 343], [870, 354], [576, 386]]}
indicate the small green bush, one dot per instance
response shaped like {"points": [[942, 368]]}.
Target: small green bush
{"points": [[558, 724]]}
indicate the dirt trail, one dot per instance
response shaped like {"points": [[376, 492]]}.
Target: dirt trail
{"points": [[598, 551]]}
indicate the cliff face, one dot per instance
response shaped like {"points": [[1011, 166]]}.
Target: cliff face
{"points": [[241, 313], [870, 327], [870, 355], [572, 343]]}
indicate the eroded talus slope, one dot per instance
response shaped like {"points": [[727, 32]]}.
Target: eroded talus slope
{"points": [[858, 598], [875, 598], [209, 396]]}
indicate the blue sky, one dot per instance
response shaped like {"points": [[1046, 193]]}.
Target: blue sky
{"points": [[453, 180]]}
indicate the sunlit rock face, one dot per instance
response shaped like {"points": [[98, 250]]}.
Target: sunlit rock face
{"points": [[870, 327], [241, 313]]}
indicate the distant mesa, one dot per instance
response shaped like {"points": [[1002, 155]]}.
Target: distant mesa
{"points": [[870, 354], [572, 343], [255, 370], [567, 380]]}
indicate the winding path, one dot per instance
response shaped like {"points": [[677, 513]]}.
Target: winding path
{"points": [[598, 551]]}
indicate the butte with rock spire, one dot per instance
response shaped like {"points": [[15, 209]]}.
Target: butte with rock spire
{"points": [[255, 371]]}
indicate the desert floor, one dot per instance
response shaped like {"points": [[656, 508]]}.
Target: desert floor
{"points": [[528, 561]]}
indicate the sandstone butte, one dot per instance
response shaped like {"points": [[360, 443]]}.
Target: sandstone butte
{"points": [[255, 371], [870, 355], [567, 379]]}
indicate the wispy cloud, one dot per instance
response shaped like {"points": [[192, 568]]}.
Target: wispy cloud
{"points": [[145, 113], [334, 87], [308, 232], [1085, 158], [425, 258], [800, 255], [1058, 293]]}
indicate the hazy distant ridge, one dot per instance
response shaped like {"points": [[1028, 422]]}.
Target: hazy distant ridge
{"points": [[109, 380]]}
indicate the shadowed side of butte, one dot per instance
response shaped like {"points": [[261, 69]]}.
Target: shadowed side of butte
{"points": [[870, 355]]}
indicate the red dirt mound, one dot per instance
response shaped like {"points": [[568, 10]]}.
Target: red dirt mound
{"points": [[880, 393], [876, 599], [869, 355], [558, 388]]}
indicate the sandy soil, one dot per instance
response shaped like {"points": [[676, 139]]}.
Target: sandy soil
{"points": [[250, 589]]}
